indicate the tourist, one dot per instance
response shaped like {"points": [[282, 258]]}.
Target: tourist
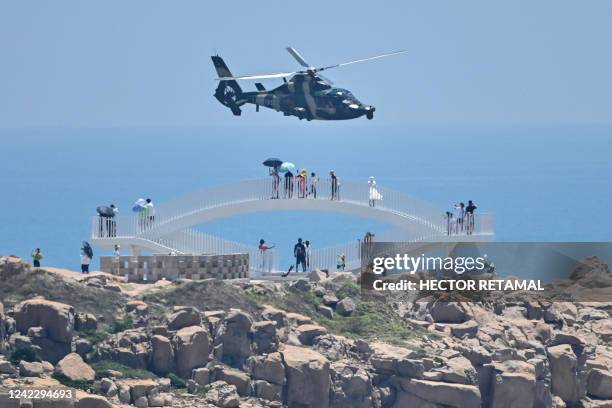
{"points": [[288, 184], [459, 216], [449, 223], [116, 252], [150, 212], [335, 186], [36, 257], [303, 183], [299, 252], [368, 244], [341, 264], [469, 211], [85, 260], [275, 181], [111, 223], [314, 180], [373, 194], [299, 180], [307, 246], [265, 264]]}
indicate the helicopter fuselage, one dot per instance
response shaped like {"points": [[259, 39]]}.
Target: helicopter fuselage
{"points": [[308, 97]]}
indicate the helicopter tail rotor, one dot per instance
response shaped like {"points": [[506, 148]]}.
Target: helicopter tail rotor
{"points": [[228, 92]]}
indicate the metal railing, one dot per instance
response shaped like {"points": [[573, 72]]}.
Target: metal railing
{"points": [[428, 223], [264, 189]]}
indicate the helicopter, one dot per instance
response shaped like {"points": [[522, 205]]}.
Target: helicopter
{"points": [[307, 94]]}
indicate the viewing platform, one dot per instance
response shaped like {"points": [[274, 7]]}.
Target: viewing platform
{"points": [[172, 231]]}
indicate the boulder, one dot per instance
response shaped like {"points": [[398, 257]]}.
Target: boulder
{"points": [[75, 369], [477, 354], [85, 400], [222, 394], [277, 315], [82, 347], [268, 391], [308, 377], [162, 355], [234, 337], [31, 369], [307, 332], [386, 358], [412, 368], [326, 311], [301, 285], [7, 368], [513, 385], [269, 368], [201, 375], [265, 337], [235, 377], [298, 318], [124, 394], [108, 387], [446, 394], [85, 321], [458, 370], [191, 348], [468, 328], [155, 399], [317, 275], [346, 306], [565, 378], [319, 291], [138, 388], [339, 277], [599, 384], [57, 318], [141, 402], [447, 312], [184, 317], [334, 347], [330, 300], [352, 386], [137, 307]]}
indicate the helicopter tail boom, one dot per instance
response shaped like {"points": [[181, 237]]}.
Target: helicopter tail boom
{"points": [[228, 92]]}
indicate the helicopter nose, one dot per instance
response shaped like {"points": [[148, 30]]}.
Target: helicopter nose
{"points": [[369, 111]]}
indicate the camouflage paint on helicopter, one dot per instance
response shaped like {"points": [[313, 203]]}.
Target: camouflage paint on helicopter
{"points": [[306, 95]]}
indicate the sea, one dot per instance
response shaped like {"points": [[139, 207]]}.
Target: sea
{"points": [[543, 182]]}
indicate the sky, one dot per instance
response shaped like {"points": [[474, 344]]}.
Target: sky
{"points": [[147, 63]]}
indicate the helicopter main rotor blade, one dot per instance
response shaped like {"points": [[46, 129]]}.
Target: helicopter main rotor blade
{"points": [[262, 76], [360, 60], [298, 57]]}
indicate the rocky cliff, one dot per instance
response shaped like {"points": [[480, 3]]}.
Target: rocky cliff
{"points": [[309, 343]]}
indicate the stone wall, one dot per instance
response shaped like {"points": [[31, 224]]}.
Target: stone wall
{"points": [[172, 267]]}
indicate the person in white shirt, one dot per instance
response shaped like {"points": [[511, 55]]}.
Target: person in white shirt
{"points": [[85, 260], [150, 212], [314, 180], [459, 216], [373, 194]]}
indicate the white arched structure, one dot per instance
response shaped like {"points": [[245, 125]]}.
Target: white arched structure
{"points": [[171, 230]]}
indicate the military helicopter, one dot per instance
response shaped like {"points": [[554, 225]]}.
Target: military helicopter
{"points": [[306, 95]]}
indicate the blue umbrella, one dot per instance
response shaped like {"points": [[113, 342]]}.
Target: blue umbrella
{"points": [[139, 205], [287, 166]]}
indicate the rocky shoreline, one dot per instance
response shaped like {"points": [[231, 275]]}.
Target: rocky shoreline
{"points": [[309, 343]]}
